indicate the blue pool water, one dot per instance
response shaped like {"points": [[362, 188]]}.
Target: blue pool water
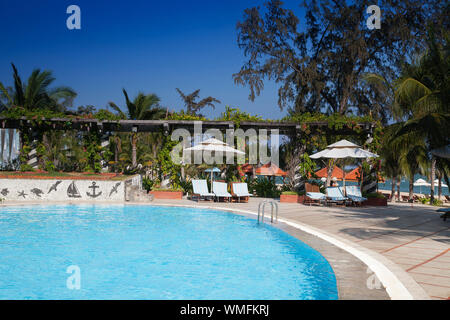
{"points": [[141, 252]]}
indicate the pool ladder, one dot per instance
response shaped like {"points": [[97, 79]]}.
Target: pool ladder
{"points": [[262, 205]]}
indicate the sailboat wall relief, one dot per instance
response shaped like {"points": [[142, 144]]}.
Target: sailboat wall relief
{"points": [[72, 191]]}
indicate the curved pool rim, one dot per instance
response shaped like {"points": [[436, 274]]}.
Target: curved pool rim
{"points": [[397, 283]]}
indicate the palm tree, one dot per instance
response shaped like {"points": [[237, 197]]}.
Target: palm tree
{"points": [[424, 96], [420, 98], [36, 92], [390, 162], [143, 107], [193, 107]]}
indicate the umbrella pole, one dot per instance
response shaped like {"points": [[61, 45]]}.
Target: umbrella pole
{"points": [[343, 182]]}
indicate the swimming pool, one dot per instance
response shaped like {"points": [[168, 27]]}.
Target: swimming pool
{"points": [[150, 252]]}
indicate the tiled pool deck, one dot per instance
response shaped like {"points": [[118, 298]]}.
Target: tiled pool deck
{"points": [[413, 239]]}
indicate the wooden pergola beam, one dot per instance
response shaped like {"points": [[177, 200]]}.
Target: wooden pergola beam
{"points": [[163, 125]]}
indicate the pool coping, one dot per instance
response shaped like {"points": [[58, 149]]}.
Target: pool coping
{"points": [[397, 283]]}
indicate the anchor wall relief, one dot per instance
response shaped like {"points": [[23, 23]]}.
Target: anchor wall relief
{"points": [[60, 190]]}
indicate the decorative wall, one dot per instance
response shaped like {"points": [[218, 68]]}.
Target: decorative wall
{"points": [[60, 190]]}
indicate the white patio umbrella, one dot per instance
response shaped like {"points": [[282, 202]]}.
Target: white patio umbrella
{"points": [[214, 145], [421, 183], [343, 149], [436, 182]]}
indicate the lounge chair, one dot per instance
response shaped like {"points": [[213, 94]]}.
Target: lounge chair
{"points": [[313, 194], [354, 193], [405, 198], [447, 199], [334, 195], [446, 213], [200, 190], [239, 190], [314, 197], [220, 191]]}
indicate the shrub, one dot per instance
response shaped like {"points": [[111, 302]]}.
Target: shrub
{"points": [[264, 188], [377, 195], [172, 189], [186, 186], [147, 183], [437, 202], [289, 193]]}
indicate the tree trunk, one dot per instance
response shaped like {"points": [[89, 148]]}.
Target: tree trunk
{"points": [[393, 188], [439, 186], [133, 150], [411, 188], [433, 176], [329, 171], [399, 180]]}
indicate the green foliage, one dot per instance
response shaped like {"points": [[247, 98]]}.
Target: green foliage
{"points": [[147, 183], [172, 188], [92, 151], [186, 186], [437, 202], [237, 116], [307, 166], [376, 195], [167, 167], [264, 188], [319, 63], [318, 137], [36, 94], [289, 193], [182, 115], [193, 107], [104, 114]]}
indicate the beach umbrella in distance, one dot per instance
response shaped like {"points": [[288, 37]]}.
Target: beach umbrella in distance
{"points": [[212, 171], [436, 182], [343, 149], [421, 183]]}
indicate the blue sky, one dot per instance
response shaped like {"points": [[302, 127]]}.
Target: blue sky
{"points": [[149, 46]]}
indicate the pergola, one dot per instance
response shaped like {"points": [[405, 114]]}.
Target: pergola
{"points": [[165, 126]]}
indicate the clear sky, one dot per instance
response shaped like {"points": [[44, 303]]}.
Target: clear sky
{"points": [[149, 46]]}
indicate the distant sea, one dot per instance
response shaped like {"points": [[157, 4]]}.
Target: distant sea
{"points": [[404, 186]]}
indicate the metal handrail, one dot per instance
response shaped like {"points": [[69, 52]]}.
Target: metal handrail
{"points": [[273, 205]]}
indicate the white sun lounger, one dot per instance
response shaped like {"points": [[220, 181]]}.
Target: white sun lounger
{"points": [[200, 190], [220, 190], [334, 195], [354, 193], [316, 197], [240, 190]]}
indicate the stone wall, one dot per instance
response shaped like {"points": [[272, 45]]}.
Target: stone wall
{"points": [[61, 190]]}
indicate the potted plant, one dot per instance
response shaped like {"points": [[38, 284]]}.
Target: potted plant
{"points": [[375, 199], [292, 197], [174, 193]]}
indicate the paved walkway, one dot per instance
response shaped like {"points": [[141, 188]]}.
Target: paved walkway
{"points": [[414, 238]]}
